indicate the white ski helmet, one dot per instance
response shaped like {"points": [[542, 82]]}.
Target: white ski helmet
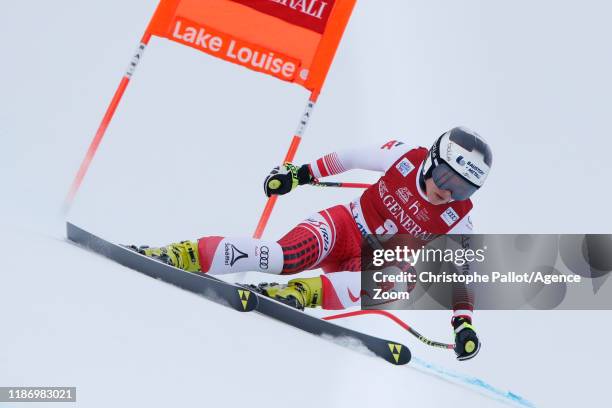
{"points": [[459, 161]]}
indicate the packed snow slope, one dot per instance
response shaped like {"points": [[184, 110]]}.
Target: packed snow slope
{"points": [[186, 155], [76, 318], [123, 338]]}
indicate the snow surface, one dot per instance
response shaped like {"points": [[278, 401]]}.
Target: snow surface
{"points": [[186, 154]]}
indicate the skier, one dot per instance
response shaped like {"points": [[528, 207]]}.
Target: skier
{"points": [[423, 193]]}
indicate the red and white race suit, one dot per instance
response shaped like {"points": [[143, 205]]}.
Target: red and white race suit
{"points": [[331, 238]]}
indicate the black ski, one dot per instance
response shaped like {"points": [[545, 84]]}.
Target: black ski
{"points": [[393, 352], [240, 298], [210, 287]]}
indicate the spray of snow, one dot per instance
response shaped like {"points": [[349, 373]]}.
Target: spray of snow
{"points": [[470, 382], [349, 343], [212, 295]]}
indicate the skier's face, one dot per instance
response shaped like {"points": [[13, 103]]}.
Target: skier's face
{"points": [[436, 195]]}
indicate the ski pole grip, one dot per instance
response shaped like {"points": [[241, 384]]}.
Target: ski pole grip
{"points": [[274, 184]]}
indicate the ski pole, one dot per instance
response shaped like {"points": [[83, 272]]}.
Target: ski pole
{"points": [[339, 184], [397, 320], [295, 142]]}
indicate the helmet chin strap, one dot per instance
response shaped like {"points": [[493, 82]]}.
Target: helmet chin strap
{"points": [[430, 162], [422, 182]]}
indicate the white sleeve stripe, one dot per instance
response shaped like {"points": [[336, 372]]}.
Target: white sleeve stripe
{"points": [[321, 168], [324, 161], [314, 169], [333, 163], [462, 312], [329, 164], [337, 164], [366, 158]]}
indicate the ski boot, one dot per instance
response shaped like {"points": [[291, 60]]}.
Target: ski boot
{"points": [[297, 293], [182, 255]]}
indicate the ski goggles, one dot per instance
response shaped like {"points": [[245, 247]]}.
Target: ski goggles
{"points": [[446, 178]]}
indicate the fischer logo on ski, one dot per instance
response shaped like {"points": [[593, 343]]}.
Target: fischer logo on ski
{"points": [[396, 350], [225, 293], [244, 297]]}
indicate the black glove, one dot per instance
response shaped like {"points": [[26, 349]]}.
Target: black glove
{"points": [[285, 178], [467, 344]]}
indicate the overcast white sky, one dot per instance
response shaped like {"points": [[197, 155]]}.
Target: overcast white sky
{"points": [[197, 135]]}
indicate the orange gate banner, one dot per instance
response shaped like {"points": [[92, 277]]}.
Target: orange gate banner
{"points": [[292, 40]]}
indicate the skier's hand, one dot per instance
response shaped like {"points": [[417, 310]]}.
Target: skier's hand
{"points": [[467, 344], [285, 178]]}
